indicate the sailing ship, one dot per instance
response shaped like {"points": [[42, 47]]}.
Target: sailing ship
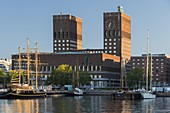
{"points": [[148, 94], [26, 91]]}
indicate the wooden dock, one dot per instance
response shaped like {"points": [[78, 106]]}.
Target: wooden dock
{"points": [[126, 96]]}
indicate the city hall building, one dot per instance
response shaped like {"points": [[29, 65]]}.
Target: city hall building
{"points": [[103, 65]]}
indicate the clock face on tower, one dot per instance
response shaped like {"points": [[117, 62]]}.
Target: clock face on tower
{"points": [[109, 24]]}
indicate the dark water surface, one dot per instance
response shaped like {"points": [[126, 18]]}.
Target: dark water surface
{"points": [[85, 104]]}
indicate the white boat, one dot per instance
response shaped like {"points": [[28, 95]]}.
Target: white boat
{"points": [[146, 94], [77, 91]]}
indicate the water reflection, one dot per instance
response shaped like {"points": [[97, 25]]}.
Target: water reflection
{"points": [[19, 106], [85, 104]]}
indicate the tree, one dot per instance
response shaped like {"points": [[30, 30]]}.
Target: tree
{"points": [[65, 75], [84, 78], [2, 73], [135, 78], [2, 77], [61, 75], [14, 74]]}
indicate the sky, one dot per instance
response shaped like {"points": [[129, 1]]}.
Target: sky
{"points": [[33, 19]]}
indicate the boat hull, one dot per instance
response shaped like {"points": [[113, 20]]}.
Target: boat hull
{"points": [[148, 96], [26, 96]]}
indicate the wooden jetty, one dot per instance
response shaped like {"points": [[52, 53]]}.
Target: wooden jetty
{"points": [[126, 95]]}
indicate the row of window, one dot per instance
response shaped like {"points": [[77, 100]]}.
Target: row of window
{"points": [[143, 59], [110, 52], [110, 47], [95, 76], [61, 40], [61, 48], [50, 68], [61, 44], [144, 63], [110, 39], [110, 43], [111, 33]]}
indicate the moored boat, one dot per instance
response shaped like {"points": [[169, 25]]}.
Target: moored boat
{"points": [[148, 95], [25, 94], [75, 92]]}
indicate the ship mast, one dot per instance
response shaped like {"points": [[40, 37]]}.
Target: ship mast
{"points": [[19, 64], [147, 58], [151, 72], [28, 60], [36, 65]]}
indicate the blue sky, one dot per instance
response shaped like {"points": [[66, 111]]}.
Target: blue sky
{"points": [[22, 19]]}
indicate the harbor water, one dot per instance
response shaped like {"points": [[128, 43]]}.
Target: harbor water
{"points": [[84, 104]]}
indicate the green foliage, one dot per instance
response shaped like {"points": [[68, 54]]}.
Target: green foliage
{"points": [[60, 76], [65, 68], [4, 78], [135, 78], [14, 74], [2, 73], [64, 75], [84, 78]]}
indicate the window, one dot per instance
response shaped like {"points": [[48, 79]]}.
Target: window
{"points": [[63, 34], [110, 39], [105, 33], [114, 39], [67, 40], [114, 32], [118, 33], [110, 33], [110, 47], [54, 35], [105, 39], [105, 43], [110, 43], [59, 40], [114, 43], [114, 51], [114, 47], [59, 34], [55, 40], [105, 47], [63, 44], [59, 44], [63, 40], [68, 34]]}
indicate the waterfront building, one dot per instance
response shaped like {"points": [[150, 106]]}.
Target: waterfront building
{"points": [[105, 66], [117, 34], [5, 64], [160, 64], [67, 33]]}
